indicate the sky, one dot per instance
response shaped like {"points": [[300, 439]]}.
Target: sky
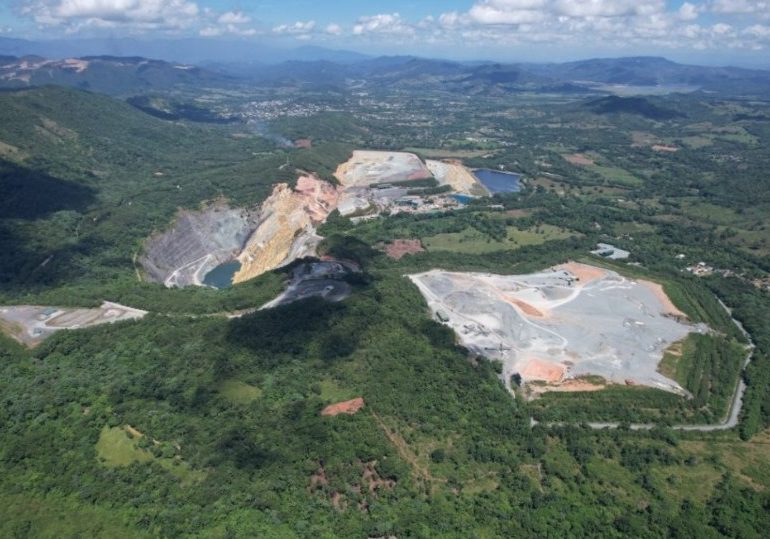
{"points": [[536, 30]]}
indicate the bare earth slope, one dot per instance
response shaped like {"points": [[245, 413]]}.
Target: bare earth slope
{"points": [[561, 323], [454, 174], [286, 229], [366, 168]]}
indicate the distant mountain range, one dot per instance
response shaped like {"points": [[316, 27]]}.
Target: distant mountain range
{"points": [[190, 50], [104, 74], [607, 75], [624, 76]]}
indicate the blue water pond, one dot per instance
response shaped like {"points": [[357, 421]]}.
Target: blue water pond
{"points": [[498, 182]]}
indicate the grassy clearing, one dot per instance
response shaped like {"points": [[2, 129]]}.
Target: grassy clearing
{"points": [[239, 392], [116, 447], [331, 391], [711, 213], [632, 228], [754, 241], [748, 461], [736, 134], [617, 176], [471, 241], [698, 141]]}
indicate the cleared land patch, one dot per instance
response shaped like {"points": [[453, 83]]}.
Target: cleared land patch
{"points": [[239, 392], [346, 407], [397, 249], [579, 159], [562, 323], [120, 446], [30, 325], [366, 168], [472, 241]]}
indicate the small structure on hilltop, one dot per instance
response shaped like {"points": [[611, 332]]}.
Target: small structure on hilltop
{"points": [[605, 250]]}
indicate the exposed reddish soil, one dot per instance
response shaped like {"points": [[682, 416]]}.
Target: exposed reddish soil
{"points": [[668, 306], [663, 148], [579, 159], [567, 386], [347, 407], [399, 248], [365, 491], [305, 143], [541, 370], [318, 479], [372, 479], [320, 197], [419, 175], [583, 272], [526, 308]]}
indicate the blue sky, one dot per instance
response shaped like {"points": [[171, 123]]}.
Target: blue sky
{"points": [[713, 30]]}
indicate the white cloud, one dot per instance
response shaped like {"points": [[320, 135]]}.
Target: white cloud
{"points": [[758, 31], [233, 17], [139, 14], [508, 11], [383, 23], [608, 8], [733, 7], [334, 29], [688, 12], [617, 25], [300, 29]]}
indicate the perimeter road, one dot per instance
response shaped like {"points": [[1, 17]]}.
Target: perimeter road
{"points": [[731, 421]]}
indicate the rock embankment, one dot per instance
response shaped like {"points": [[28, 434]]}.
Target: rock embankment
{"points": [[454, 174], [287, 226]]}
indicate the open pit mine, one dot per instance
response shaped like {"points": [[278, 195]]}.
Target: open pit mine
{"points": [[279, 231], [551, 328], [196, 243]]}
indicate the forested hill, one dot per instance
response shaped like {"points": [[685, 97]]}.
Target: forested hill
{"points": [[85, 178], [105, 74]]}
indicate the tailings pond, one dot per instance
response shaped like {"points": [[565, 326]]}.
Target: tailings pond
{"points": [[222, 275], [498, 182], [463, 199]]}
